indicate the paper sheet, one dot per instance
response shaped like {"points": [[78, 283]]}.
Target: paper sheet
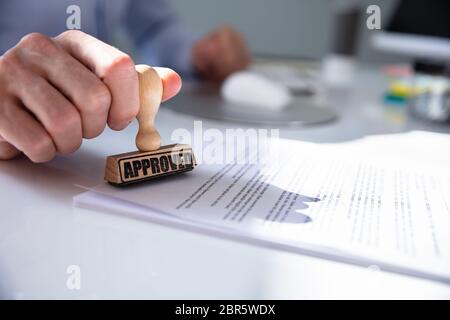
{"points": [[382, 200]]}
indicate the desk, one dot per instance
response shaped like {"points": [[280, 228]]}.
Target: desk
{"points": [[41, 233]]}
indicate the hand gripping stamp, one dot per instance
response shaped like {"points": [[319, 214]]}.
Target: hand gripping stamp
{"points": [[152, 160]]}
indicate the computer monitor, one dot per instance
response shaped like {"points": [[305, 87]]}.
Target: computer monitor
{"points": [[418, 28]]}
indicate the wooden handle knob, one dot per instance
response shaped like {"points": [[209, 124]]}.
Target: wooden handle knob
{"points": [[150, 94]]}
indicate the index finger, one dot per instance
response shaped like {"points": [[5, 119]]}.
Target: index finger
{"points": [[113, 67]]}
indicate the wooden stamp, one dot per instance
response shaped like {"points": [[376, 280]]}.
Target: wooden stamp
{"points": [[126, 168], [152, 160]]}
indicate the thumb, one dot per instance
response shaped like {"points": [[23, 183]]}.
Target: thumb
{"points": [[171, 82]]}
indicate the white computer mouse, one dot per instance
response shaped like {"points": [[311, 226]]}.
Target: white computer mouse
{"points": [[248, 88]]}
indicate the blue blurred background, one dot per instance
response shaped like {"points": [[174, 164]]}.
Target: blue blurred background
{"points": [[297, 28]]}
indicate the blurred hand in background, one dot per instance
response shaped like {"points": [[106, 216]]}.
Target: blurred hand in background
{"points": [[220, 53]]}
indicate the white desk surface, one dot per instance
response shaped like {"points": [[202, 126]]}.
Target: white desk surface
{"points": [[41, 233]]}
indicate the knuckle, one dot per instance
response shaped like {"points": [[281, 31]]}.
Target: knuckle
{"points": [[11, 69], [75, 146], [70, 148], [9, 61], [121, 66], [31, 38], [72, 119], [98, 99], [41, 149], [63, 120], [94, 131], [67, 124], [116, 122], [125, 115], [37, 42], [69, 34]]}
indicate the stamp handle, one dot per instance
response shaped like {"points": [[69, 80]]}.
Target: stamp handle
{"points": [[150, 94]]}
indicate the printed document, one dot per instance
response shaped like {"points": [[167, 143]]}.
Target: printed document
{"points": [[379, 201]]}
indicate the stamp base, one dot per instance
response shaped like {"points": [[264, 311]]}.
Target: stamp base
{"points": [[132, 167]]}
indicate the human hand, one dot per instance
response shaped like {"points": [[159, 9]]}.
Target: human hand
{"points": [[220, 53], [56, 91]]}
